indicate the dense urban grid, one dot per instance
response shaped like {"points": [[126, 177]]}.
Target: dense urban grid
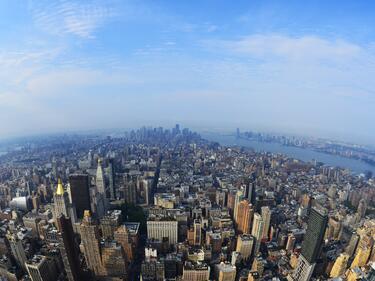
{"points": [[156, 204]]}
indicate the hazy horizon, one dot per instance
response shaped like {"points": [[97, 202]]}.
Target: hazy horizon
{"points": [[294, 68]]}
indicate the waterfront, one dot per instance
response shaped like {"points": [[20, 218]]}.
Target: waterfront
{"points": [[303, 154]]}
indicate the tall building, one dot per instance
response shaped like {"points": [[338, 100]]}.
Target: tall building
{"points": [[130, 189], [17, 250], [113, 259], [152, 270], [312, 244], [121, 235], [197, 232], [90, 244], [339, 266], [363, 251], [244, 217], [195, 271], [109, 223], [39, 269], [290, 242], [80, 193], [111, 179], [68, 248], [159, 229], [61, 201], [257, 231], [245, 244], [100, 180], [237, 199], [225, 272], [62, 204], [362, 207], [266, 216], [258, 265], [251, 193]]}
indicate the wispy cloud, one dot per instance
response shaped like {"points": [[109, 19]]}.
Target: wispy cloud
{"points": [[293, 48], [71, 17]]}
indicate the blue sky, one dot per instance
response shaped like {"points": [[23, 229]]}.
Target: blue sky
{"points": [[302, 67]]}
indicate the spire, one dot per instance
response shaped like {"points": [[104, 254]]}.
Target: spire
{"points": [[60, 188]]}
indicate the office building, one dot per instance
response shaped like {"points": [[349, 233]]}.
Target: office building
{"points": [[69, 249], [312, 244], [90, 244], [79, 189], [162, 228]]}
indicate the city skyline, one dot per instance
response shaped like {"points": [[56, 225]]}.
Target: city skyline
{"points": [[301, 68]]}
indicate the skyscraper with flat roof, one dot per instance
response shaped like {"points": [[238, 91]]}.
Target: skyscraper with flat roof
{"points": [[312, 244], [68, 248], [79, 193]]}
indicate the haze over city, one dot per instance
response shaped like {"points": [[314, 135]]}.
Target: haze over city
{"points": [[295, 67], [187, 140]]}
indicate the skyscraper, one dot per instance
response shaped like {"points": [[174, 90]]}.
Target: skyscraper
{"points": [[244, 217], [111, 179], [257, 231], [237, 200], [80, 193], [312, 244], [197, 232], [39, 269], [339, 266], [62, 204], [363, 251], [225, 272], [245, 245], [266, 216], [251, 193], [68, 248], [316, 228], [90, 244], [100, 181], [17, 249], [61, 201]]}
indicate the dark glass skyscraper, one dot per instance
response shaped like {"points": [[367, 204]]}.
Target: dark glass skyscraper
{"points": [[311, 245], [80, 194], [316, 228], [68, 248]]}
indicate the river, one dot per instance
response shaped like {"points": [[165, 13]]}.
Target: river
{"points": [[303, 154]]}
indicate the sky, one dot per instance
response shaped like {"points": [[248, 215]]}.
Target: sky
{"points": [[300, 67]]}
